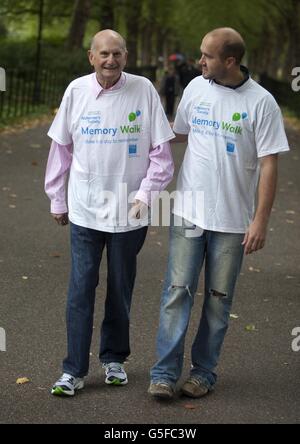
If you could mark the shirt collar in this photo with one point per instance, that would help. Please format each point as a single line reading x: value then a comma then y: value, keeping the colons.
x: 97, y: 88
x: 246, y: 74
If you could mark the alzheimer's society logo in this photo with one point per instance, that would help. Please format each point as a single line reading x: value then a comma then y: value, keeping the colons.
x: 296, y: 81
x: 2, y: 79
x: 2, y: 340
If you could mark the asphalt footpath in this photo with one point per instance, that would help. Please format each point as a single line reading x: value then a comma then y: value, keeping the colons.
x: 259, y: 371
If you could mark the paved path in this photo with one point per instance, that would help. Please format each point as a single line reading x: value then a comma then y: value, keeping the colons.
x: 259, y: 374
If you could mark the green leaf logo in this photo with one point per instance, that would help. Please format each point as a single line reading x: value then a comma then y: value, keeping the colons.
x: 132, y: 117
x: 236, y: 117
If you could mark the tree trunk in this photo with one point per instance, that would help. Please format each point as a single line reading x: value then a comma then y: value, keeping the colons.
x: 147, y: 44
x: 107, y: 19
x: 133, y: 13
x: 80, y: 17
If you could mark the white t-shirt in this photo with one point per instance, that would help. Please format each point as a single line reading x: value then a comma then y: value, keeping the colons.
x: 229, y: 130
x: 112, y: 135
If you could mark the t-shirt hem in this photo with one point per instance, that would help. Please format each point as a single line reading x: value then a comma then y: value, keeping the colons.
x: 163, y: 140
x: 274, y: 151
x: 106, y: 229
x: 57, y: 140
x: 212, y: 228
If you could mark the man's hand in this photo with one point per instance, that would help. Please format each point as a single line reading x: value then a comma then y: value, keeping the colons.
x: 255, y: 237
x: 139, y: 210
x: 61, y: 219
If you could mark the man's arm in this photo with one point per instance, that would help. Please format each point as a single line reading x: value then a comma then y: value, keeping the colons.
x: 159, y: 175
x: 58, y: 166
x: 256, y: 235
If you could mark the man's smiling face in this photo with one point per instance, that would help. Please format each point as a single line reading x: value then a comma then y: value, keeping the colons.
x: 108, y: 56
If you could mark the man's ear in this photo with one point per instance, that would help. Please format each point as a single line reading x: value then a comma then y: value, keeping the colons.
x: 230, y: 62
x: 91, y: 57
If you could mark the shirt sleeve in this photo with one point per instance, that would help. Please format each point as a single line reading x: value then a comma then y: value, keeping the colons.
x: 59, y: 130
x: 181, y: 123
x: 270, y: 136
x: 159, y: 173
x: 58, y: 166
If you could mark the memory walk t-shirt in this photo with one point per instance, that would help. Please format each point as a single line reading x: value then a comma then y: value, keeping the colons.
x: 111, y: 135
x: 229, y: 130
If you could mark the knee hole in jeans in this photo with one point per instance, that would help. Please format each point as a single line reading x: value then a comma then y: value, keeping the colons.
x: 218, y: 294
x: 180, y: 287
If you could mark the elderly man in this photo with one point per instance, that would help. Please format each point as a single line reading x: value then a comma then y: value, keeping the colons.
x: 111, y: 135
x: 235, y: 131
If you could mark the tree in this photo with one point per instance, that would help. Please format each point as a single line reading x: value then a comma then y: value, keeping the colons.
x: 79, y: 20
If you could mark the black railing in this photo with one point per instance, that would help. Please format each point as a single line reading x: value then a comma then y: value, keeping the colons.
x: 26, y: 93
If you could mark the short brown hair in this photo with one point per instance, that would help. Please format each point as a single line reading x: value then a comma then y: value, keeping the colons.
x: 233, y: 49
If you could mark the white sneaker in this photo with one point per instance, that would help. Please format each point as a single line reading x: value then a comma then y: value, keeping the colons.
x: 67, y: 385
x: 115, y: 373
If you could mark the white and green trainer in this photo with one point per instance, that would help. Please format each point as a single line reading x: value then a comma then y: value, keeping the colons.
x: 115, y: 373
x: 67, y: 385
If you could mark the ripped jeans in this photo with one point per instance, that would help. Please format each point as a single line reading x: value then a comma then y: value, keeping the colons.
x: 223, y: 255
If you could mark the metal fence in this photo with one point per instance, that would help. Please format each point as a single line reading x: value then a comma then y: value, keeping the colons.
x: 26, y: 93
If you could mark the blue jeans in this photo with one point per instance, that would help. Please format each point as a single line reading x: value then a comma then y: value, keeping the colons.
x: 86, y: 248
x: 223, y: 255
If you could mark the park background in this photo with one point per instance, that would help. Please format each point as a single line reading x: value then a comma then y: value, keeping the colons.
x: 43, y: 43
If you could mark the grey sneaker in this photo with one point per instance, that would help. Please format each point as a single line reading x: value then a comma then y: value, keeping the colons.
x: 161, y: 390
x: 115, y: 374
x: 194, y: 388
x: 67, y: 385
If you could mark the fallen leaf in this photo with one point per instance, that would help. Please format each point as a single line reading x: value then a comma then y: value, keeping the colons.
x: 22, y: 381
x: 35, y: 145
x: 25, y: 278
x: 55, y: 255
x: 34, y: 163
x: 191, y: 406
x: 5, y: 189
x: 13, y: 196
x: 12, y: 206
x: 289, y: 221
x: 250, y: 327
x: 256, y: 270
x: 234, y: 316
x: 159, y: 244
x: 290, y: 277
x: 290, y: 212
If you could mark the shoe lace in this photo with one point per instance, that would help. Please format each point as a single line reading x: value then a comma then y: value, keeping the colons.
x: 114, y: 366
x: 67, y: 378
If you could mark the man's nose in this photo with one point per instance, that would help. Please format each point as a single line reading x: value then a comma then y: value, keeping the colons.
x: 111, y: 59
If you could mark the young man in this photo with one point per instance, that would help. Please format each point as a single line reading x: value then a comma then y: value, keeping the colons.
x: 235, y: 131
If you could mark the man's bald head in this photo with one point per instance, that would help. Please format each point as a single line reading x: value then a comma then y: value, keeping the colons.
x: 230, y: 42
x: 106, y: 35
